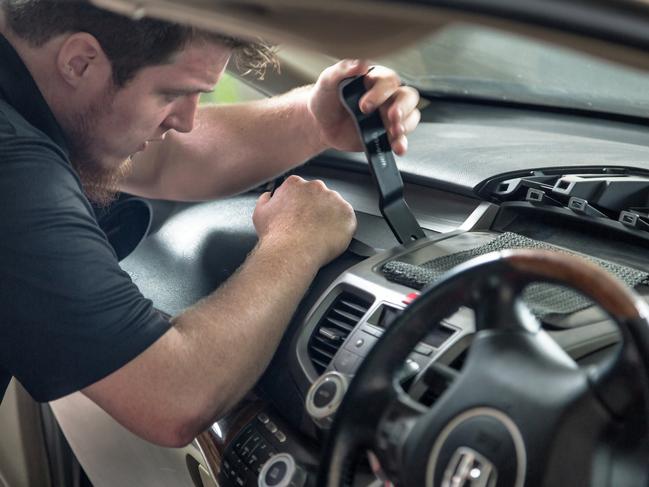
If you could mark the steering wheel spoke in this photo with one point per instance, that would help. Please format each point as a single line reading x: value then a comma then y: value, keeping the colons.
x: 618, y: 385
x: 498, y: 305
x: 401, y: 415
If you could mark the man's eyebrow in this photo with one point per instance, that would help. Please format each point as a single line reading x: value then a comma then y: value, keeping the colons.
x: 189, y: 91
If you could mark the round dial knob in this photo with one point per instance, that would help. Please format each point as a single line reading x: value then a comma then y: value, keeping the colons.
x: 281, y: 471
x: 324, y: 397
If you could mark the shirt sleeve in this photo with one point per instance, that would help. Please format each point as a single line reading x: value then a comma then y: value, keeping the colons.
x: 70, y: 314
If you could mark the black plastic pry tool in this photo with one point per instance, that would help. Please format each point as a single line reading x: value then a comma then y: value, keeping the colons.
x: 383, y: 167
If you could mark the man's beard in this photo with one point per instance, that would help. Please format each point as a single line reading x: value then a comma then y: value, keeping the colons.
x: 100, y: 184
x: 100, y: 181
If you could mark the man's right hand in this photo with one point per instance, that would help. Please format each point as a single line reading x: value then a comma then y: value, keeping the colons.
x: 305, y: 217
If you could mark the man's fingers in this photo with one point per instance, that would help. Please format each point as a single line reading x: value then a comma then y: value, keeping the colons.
x: 398, y: 139
x: 397, y: 113
x: 348, y: 68
x: 381, y: 83
x: 411, y: 122
x: 403, y: 125
x: 403, y: 103
x: 264, y: 198
x: 399, y: 145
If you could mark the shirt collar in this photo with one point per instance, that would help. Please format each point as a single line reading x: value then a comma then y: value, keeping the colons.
x: 18, y: 89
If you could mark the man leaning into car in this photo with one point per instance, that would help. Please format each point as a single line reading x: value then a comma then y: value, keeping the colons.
x: 92, y: 103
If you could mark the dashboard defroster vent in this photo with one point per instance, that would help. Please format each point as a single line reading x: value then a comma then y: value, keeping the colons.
x: 333, y: 328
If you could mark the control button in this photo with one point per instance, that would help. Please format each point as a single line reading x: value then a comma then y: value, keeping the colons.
x: 242, y: 438
x: 229, y: 467
x: 226, y: 468
x: 263, y: 418
x: 346, y: 362
x: 272, y: 427
x: 238, y: 446
x: 240, y: 480
x: 262, y: 449
x: 276, y: 473
x: 281, y: 471
x: 410, y: 298
x: 238, y: 468
x: 360, y: 342
x: 263, y: 452
x: 325, y: 396
x: 250, y: 446
x: 252, y: 460
x: 424, y: 349
x: 325, y: 393
x: 281, y: 437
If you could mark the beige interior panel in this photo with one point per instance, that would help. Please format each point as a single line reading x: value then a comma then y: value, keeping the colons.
x: 23, y: 460
x: 336, y: 27
x: 113, y: 456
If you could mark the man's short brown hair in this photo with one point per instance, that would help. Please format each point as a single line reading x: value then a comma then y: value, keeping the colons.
x: 129, y: 44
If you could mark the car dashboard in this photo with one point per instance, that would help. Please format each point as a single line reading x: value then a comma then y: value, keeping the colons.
x: 461, y: 157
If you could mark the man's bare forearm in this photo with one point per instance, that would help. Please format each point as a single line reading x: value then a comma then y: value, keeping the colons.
x: 232, y: 148
x: 237, y: 329
x: 213, y: 354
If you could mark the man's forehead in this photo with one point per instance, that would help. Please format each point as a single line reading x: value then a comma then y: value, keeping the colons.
x: 199, y: 66
x: 203, y: 52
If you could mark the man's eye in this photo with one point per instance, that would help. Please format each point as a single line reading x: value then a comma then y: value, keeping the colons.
x: 170, y: 97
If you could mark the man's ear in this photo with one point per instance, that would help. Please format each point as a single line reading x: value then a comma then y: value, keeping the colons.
x: 81, y: 59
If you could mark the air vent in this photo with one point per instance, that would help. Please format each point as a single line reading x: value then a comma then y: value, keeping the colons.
x: 336, y: 324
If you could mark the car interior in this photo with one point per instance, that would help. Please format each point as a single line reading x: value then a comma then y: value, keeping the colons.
x: 487, y: 325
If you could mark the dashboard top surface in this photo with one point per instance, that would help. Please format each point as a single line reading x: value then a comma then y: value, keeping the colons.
x: 457, y: 150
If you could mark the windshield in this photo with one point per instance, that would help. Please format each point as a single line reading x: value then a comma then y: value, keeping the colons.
x: 469, y: 60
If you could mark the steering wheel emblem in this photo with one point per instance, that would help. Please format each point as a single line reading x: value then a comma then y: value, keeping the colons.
x: 468, y: 468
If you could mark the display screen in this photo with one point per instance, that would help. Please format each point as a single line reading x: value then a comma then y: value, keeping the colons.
x: 385, y: 316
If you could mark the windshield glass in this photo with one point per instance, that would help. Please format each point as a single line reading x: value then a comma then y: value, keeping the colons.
x: 475, y: 61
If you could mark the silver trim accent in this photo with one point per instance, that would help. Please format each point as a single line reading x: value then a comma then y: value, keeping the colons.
x: 481, y: 218
x: 291, y: 470
x: 517, y: 438
x: 322, y: 415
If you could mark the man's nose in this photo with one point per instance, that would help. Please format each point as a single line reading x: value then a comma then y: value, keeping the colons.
x: 183, y: 115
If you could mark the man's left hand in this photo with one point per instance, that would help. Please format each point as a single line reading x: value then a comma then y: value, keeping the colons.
x: 397, y: 105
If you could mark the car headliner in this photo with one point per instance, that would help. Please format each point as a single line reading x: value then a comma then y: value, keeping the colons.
x: 616, y: 30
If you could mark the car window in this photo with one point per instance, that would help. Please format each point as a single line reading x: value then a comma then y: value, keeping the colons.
x: 231, y: 90
x: 470, y: 60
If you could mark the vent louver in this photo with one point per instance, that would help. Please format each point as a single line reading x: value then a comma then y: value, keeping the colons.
x: 335, y: 325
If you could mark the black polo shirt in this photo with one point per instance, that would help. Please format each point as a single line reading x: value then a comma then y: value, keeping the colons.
x: 69, y: 315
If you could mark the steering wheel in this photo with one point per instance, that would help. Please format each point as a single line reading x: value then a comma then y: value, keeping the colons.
x: 521, y: 412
